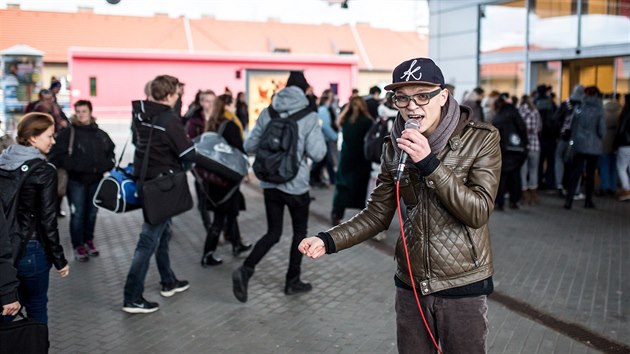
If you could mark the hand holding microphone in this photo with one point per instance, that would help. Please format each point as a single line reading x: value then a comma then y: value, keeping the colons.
x: 413, y: 144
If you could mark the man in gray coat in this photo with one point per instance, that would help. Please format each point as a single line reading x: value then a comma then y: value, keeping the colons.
x: 294, y: 194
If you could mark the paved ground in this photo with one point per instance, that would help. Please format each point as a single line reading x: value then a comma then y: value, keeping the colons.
x: 570, y: 265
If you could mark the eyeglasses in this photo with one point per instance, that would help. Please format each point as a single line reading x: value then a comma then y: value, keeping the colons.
x: 420, y: 99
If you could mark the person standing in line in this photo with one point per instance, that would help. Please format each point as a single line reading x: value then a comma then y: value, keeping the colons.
x: 293, y: 194
x: 587, y: 131
x: 513, y: 135
x: 607, y: 162
x: 353, y: 170
x: 92, y: 155
x: 449, y: 183
x: 529, y: 170
x: 36, y: 214
x: 622, y: 143
x: 169, y: 148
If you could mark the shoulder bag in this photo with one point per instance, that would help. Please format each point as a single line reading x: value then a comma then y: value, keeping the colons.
x: 164, y: 196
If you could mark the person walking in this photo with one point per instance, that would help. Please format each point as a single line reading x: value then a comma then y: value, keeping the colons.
x: 293, y: 194
x: 91, y: 155
x: 36, y: 214
x: 169, y: 148
x: 448, y: 183
x: 215, y: 189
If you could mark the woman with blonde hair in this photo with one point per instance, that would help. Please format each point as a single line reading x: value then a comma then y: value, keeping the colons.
x: 36, y: 213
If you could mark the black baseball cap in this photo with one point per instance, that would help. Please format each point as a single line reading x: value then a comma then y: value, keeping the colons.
x: 414, y: 72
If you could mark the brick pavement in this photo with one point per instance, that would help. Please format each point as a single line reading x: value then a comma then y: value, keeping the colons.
x: 540, y: 258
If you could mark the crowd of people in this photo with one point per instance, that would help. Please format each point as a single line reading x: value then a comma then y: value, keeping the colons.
x: 521, y: 145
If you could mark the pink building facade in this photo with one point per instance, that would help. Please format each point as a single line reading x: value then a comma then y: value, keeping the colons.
x: 112, y: 79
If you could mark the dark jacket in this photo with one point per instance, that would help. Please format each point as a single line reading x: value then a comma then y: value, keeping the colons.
x: 447, y: 211
x: 196, y: 123
x: 169, y: 143
x: 513, y: 133
x: 623, y: 131
x: 37, y: 212
x: 588, y: 127
x: 92, y: 153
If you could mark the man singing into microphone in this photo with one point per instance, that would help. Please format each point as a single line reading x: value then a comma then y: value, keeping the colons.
x: 448, y: 184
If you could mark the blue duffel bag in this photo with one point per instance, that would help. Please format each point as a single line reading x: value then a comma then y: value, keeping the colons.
x: 117, y: 191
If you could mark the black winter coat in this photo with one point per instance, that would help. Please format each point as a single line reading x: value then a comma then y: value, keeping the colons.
x: 92, y: 153
x: 513, y: 134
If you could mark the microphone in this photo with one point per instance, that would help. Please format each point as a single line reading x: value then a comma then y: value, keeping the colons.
x: 409, y: 124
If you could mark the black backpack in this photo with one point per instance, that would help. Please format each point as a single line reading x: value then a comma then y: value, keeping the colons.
x: 277, y: 158
x: 373, y: 140
x: 10, y: 184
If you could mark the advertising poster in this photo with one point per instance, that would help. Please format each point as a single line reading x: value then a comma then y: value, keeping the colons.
x: 261, y: 86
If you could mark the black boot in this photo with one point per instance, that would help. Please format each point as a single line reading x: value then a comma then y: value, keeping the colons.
x: 212, y: 238
x: 240, y: 248
x: 240, y: 278
x: 295, y: 286
x: 588, y: 204
x: 210, y: 260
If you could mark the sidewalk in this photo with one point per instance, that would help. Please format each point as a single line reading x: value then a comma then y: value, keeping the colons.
x: 572, y: 265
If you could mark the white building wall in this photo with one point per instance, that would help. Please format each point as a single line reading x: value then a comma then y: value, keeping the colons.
x: 453, y: 41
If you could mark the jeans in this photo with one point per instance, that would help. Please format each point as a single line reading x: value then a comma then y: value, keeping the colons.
x: 82, y: 211
x: 153, y: 238
x: 608, y: 172
x: 459, y: 325
x: 623, y: 167
x: 33, y: 268
x: 530, y: 168
x: 275, y: 201
x: 575, y: 172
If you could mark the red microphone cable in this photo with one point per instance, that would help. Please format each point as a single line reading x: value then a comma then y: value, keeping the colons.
x: 413, y: 283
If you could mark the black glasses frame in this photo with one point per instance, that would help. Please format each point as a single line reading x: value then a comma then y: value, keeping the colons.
x: 422, y: 96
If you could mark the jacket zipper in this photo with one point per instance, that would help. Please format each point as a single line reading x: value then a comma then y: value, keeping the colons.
x: 425, y: 217
x: 472, y: 248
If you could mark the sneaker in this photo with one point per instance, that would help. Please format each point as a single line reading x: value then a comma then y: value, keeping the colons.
x: 579, y: 196
x: 80, y: 254
x: 296, y: 286
x: 140, y: 306
x: 91, y: 249
x: 177, y: 287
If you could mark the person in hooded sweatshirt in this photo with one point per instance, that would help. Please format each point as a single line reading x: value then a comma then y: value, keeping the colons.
x: 563, y: 119
x: 170, y: 147
x: 588, y: 127
x: 36, y: 215
x: 91, y: 155
x: 293, y: 194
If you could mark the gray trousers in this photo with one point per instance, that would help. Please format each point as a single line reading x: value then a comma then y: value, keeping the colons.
x: 459, y: 325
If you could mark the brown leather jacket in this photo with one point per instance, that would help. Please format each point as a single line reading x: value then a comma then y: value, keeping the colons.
x: 447, y: 211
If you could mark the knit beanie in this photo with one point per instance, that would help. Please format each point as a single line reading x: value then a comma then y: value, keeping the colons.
x: 296, y: 78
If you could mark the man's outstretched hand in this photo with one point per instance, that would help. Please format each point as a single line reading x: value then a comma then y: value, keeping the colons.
x: 312, y: 247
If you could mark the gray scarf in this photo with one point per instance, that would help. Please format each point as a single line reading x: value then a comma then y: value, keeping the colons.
x: 15, y: 155
x: 441, y: 135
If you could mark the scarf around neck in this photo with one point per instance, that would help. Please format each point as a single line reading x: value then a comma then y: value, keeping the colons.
x: 438, y: 140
